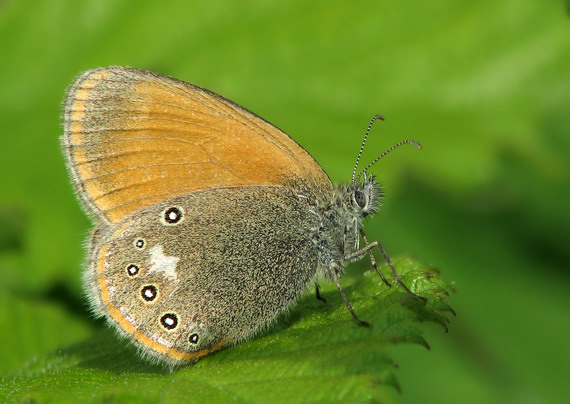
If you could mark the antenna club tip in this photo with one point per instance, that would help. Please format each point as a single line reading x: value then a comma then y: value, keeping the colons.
x: 415, y: 143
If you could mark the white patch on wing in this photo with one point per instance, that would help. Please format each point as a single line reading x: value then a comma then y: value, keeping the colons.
x: 163, y: 263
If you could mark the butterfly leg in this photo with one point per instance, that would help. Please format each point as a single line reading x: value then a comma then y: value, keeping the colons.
x: 394, y: 273
x: 373, y: 261
x: 349, y: 306
x: 318, y: 294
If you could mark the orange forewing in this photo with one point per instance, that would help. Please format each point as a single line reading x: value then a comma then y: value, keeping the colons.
x: 134, y: 138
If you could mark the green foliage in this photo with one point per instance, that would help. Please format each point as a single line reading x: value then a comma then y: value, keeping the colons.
x: 315, y: 353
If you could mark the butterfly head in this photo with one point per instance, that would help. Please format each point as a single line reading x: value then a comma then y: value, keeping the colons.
x: 364, y: 192
x: 365, y: 197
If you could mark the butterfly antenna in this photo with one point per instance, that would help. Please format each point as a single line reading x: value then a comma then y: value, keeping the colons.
x: 374, y: 118
x: 403, y: 142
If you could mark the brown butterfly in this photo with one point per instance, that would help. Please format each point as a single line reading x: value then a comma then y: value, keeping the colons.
x: 209, y: 221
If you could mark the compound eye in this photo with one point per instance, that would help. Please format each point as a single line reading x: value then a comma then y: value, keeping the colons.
x: 360, y: 198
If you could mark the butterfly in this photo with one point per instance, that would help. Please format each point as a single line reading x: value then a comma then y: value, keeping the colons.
x: 209, y: 221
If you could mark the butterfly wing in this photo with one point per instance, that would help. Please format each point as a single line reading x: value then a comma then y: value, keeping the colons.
x: 134, y: 138
x: 194, y: 273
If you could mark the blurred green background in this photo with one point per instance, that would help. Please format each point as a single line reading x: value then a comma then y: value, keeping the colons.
x: 483, y: 85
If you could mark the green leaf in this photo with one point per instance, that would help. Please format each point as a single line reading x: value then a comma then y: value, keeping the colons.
x: 315, y: 353
x: 32, y: 327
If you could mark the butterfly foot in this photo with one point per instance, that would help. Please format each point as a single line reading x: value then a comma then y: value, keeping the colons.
x: 318, y: 294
